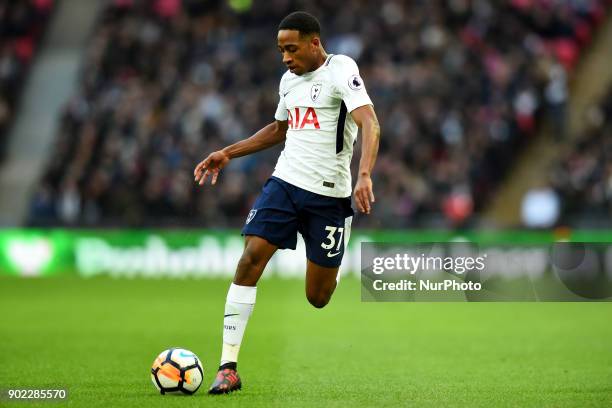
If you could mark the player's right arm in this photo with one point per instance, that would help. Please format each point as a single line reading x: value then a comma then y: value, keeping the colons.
x: 270, y: 135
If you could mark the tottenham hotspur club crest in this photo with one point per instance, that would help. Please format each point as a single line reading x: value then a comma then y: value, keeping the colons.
x: 315, y: 91
x: 251, y: 215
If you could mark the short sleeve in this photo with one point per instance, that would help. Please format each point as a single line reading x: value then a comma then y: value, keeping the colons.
x: 349, y: 83
x: 281, y: 109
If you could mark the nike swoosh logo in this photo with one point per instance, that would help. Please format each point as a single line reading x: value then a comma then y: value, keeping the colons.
x: 231, y: 314
x: 330, y: 255
x: 286, y: 93
x: 183, y: 354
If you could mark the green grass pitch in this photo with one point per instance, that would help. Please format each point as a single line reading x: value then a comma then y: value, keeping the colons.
x: 98, y: 338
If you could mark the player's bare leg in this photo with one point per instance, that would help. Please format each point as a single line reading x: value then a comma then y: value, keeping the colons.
x: 320, y: 284
x: 238, y: 309
x: 257, y: 253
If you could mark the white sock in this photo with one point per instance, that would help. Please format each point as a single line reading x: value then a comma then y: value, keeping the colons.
x: 238, y: 308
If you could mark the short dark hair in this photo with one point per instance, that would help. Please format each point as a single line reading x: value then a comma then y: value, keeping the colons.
x: 301, y: 21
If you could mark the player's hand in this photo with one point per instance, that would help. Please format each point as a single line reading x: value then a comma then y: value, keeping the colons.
x: 210, y: 165
x: 363, y: 194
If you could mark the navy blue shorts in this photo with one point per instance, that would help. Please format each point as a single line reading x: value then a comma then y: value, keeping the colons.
x: 282, y: 210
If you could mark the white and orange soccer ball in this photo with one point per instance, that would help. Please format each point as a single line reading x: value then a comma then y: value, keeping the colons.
x: 177, y: 370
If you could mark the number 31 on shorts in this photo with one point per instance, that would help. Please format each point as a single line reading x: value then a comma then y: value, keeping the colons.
x: 330, y: 240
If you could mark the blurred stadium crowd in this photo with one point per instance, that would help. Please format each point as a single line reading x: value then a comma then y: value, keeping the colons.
x: 459, y: 86
x: 21, y: 25
x: 583, y: 176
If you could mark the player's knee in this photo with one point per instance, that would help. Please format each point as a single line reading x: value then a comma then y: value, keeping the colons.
x: 249, y: 269
x: 318, y: 299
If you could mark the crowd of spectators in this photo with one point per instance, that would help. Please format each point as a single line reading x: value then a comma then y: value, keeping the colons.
x: 21, y: 26
x: 458, y: 87
x: 583, y: 176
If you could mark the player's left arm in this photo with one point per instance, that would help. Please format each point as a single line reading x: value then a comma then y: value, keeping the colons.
x: 366, y: 119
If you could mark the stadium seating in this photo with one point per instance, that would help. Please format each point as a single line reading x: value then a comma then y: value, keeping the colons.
x: 583, y: 175
x: 459, y: 88
x: 22, y: 23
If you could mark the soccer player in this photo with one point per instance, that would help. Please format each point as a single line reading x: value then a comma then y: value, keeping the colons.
x: 323, y: 101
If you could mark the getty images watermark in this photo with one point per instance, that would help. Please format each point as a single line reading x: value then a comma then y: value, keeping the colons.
x: 411, y: 264
x: 463, y: 271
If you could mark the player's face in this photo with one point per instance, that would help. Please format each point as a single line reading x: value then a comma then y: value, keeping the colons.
x: 299, y: 52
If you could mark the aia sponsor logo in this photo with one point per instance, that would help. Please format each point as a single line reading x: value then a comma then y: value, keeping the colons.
x: 302, y: 118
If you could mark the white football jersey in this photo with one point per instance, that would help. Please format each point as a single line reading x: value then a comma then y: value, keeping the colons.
x: 321, y: 133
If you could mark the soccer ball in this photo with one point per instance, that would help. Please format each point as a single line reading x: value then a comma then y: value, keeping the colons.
x: 177, y: 370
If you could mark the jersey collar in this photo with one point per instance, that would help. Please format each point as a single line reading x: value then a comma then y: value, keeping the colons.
x: 325, y: 64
